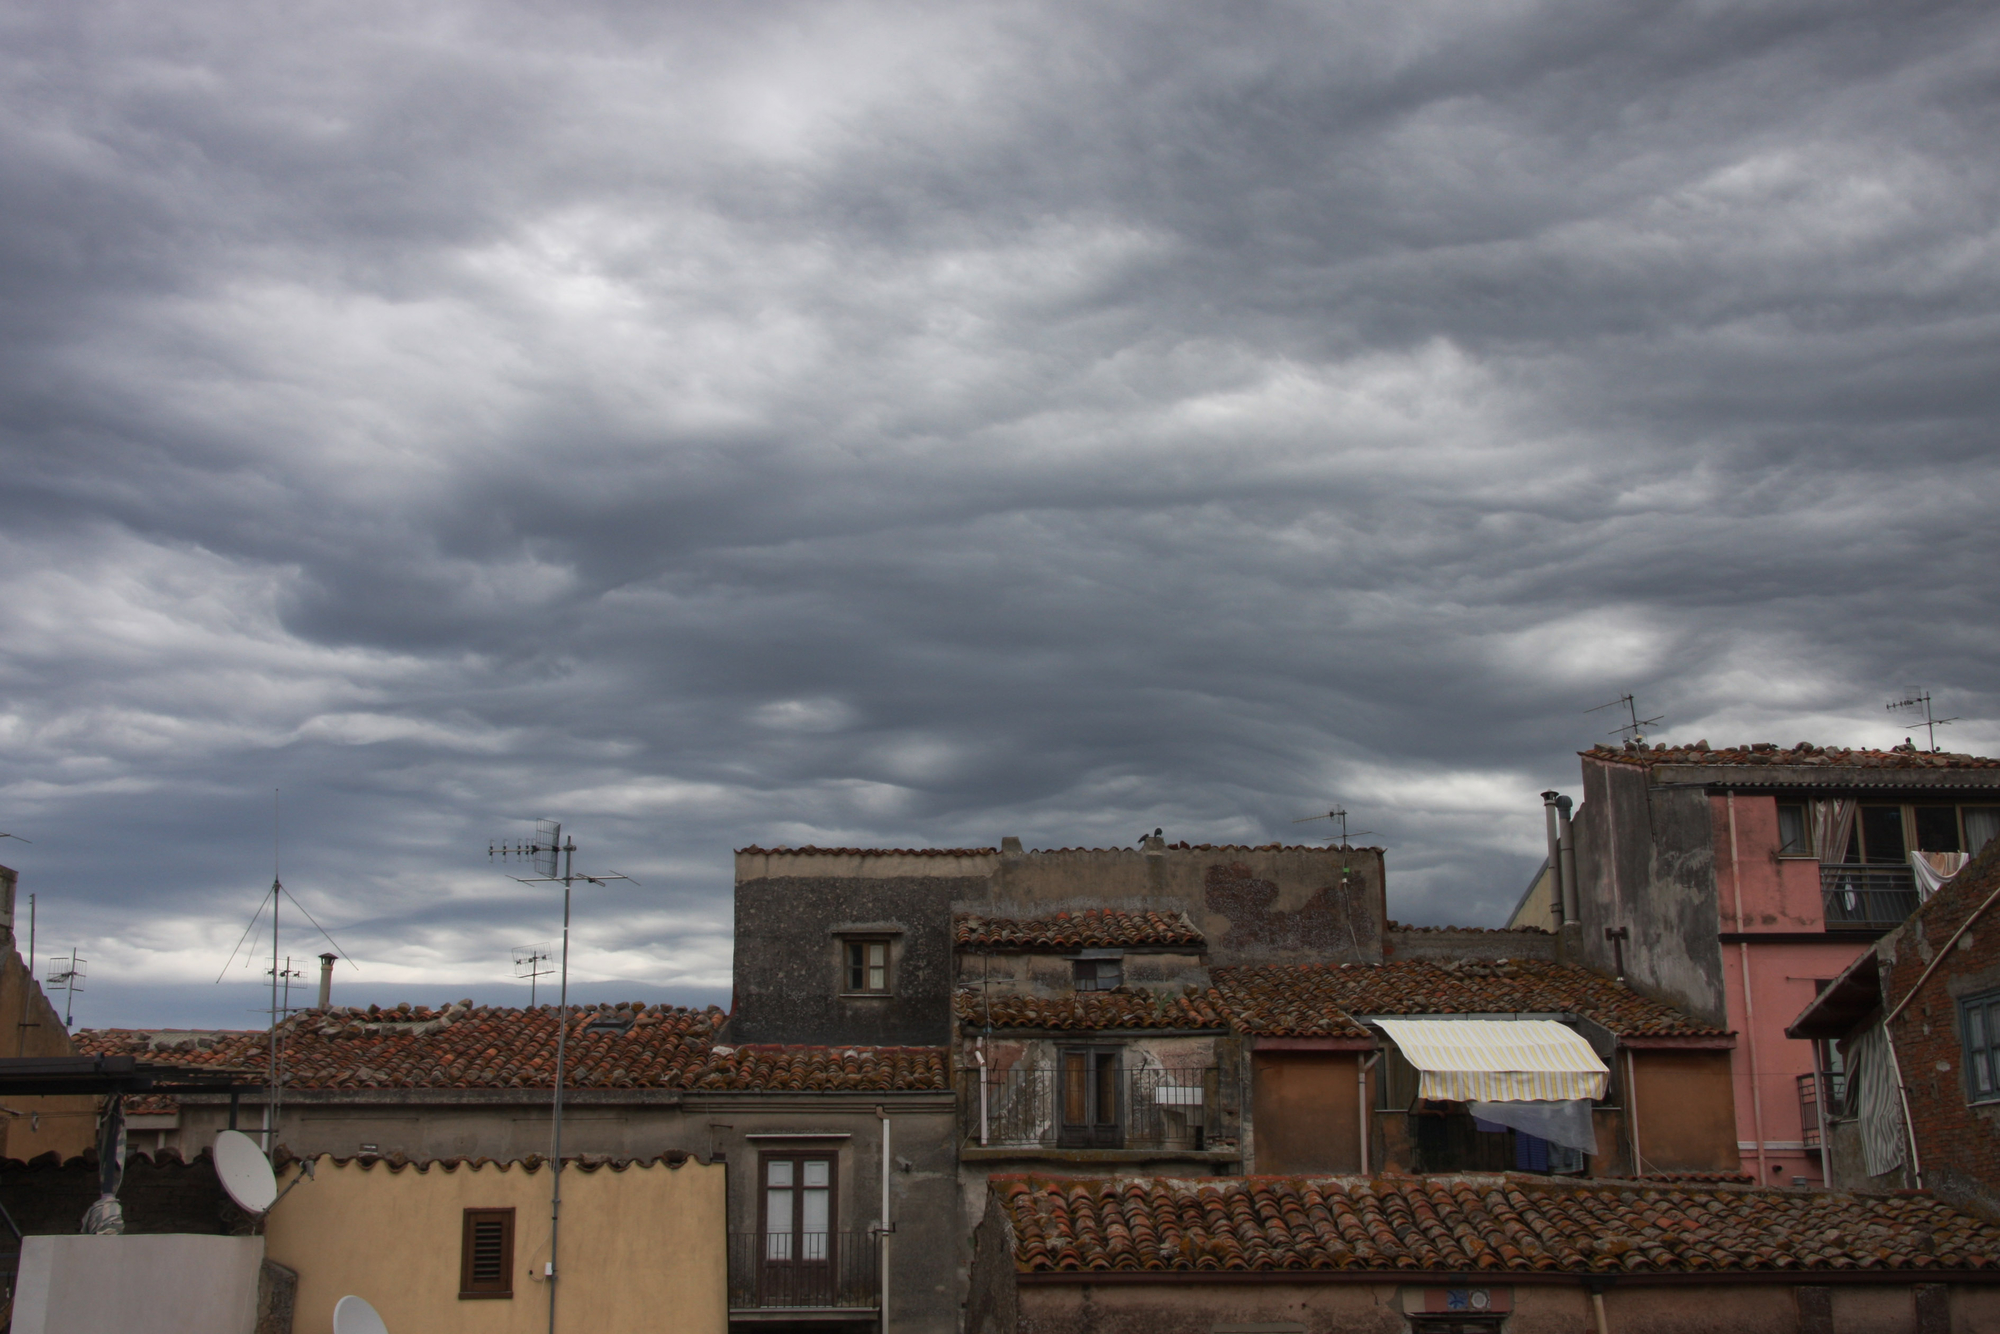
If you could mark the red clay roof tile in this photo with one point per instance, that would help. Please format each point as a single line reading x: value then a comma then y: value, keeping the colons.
x: 1804, y: 754
x: 492, y: 1047
x: 1086, y: 1010
x: 1092, y: 928
x: 1474, y: 1224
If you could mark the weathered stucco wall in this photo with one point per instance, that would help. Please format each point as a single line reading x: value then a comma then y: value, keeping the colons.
x: 642, y: 1248
x: 1445, y: 943
x: 788, y: 973
x: 1645, y: 861
x: 31, y: 1026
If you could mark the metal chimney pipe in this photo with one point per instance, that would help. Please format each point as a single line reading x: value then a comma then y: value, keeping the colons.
x: 326, y: 980
x: 1566, y: 846
x: 1555, y: 856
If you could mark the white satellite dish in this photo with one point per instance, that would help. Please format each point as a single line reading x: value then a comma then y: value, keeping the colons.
x: 352, y: 1315
x: 244, y: 1171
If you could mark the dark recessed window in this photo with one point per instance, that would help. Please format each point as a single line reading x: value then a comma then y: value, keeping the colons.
x: 1794, y: 838
x: 1098, y: 974
x: 1881, y: 831
x: 1979, y: 1034
x: 868, y: 967
x: 486, y: 1254
x: 1937, y: 828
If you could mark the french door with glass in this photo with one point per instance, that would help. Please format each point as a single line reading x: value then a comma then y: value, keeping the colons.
x: 797, y: 1225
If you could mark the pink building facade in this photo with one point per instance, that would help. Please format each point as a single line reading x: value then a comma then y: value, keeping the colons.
x: 1736, y: 883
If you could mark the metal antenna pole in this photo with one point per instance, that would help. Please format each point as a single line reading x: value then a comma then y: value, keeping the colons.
x: 277, y: 894
x: 562, y: 1036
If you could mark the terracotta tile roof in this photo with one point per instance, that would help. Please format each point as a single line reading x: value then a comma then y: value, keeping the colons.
x: 1806, y: 754
x: 463, y: 1046
x: 1284, y: 999
x: 1096, y: 927
x: 810, y: 851
x: 1475, y: 1224
x: 1083, y: 1010
x: 1395, y: 925
x: 151, y: 1104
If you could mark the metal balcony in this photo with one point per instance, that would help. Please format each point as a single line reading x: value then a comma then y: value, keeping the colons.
x: 832, y: 1272
x: 1819, y: 1098
x: 1109, y: 1109
x: 1858, y: 895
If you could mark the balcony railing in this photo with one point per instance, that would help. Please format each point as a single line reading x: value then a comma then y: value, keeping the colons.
x: 810, y: 1271
x: 1110, y: 1109
x: 1819, y: 1099
x: 1866, y: 896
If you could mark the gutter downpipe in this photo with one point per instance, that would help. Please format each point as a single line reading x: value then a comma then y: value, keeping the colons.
x: 1632, y: 1110
x: 1597, y: 1310
x: 1909, y: 1128
x: 1362, y: 1099
x: 1566, y: 847
x: 979, y: 1055
x: 1749, y: 1003
x: 882, y: 1244
x: 1555, y: 856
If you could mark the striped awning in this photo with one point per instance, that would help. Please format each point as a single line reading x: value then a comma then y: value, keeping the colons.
x: 1498, y: 1060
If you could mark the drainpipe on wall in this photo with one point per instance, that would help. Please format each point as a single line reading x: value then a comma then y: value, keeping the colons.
x: 1555, y: 856
x: 1749, y: 1002
x: 882, y: 1244
x: 1366, y: 1066
x: 326, y: 980
x: 1632, y: 1111
x: 979, y: 1055
x: 1566, y: 859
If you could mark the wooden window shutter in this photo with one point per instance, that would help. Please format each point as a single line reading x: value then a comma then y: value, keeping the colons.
x: 486, y: 1254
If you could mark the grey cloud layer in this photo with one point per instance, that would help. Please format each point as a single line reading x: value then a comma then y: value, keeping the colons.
x: 890, y: 424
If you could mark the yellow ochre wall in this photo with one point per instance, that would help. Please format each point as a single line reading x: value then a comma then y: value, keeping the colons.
x: 643, y: 1248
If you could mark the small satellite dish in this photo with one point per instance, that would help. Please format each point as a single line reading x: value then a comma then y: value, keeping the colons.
x: 352, y: 1315
x: 245, y: 1171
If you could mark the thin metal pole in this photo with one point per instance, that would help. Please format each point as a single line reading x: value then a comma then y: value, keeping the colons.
x: 271, y: 1123
x: 562, y: 1037
x: 31, y: 935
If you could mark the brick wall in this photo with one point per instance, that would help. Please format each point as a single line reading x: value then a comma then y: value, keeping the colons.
x: 1957, y: 1141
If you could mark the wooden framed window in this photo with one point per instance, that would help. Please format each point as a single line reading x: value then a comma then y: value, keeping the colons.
x: 1794, y: 831
x: 1091, y: 1099
x: 486, y: 1254
x: 1979, y: 1035
x: 867, y: 970
x: 1097, y: 974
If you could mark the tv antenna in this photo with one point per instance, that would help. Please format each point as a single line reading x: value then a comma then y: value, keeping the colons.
x: 1634, y: 730
x: 67, y: 974
x: 287, y: 973
x: 276, y: 896
x: 553, y: 857
x: 528, y: 961
x: 1339, y: 816
x: 1921, y: 699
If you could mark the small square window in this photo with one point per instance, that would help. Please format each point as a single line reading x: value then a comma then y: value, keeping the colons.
x: 486, y: 1254
x: 1979, y: 1035
x: 1794, y: 840
x: 1098, y: 974
x: 868, y: 967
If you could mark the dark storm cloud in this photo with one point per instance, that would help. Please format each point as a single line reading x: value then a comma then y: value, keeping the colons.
x: 878, y: 424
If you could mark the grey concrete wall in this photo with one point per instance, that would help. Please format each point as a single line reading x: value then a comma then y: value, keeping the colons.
x: 1645, y: 860
x: 164, y: 1283
x: 788, y: 966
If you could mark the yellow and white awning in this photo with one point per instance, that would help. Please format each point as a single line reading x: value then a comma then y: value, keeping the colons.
x: 1498, y: 1060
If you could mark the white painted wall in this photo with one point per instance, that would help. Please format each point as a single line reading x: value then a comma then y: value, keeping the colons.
x: 159, y: 1283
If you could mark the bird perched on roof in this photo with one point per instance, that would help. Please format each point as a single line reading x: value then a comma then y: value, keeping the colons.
x: 1157, y: 833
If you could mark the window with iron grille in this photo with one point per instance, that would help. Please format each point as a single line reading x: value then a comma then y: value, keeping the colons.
x: 486, y: 1254
x: 1979, y: 1035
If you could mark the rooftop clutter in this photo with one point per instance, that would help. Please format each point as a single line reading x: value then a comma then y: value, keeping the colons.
x: 1803, y: 754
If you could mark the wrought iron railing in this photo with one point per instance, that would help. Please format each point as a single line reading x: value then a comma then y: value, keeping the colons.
x: 1174, y: 1108
x: 1819, y: 1098
x: 1856, y: 894
x: 804, y: 1271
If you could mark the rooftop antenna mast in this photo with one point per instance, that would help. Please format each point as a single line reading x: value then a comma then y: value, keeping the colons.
x: 67, y: 974
x: 1633, y: 731
x: 553, y: 858
x: 1921, y: 699
x: 528, y: 961
x: 1341, y: 817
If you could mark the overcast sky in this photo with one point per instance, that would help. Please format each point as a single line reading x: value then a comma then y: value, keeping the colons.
x: 873, y: 424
